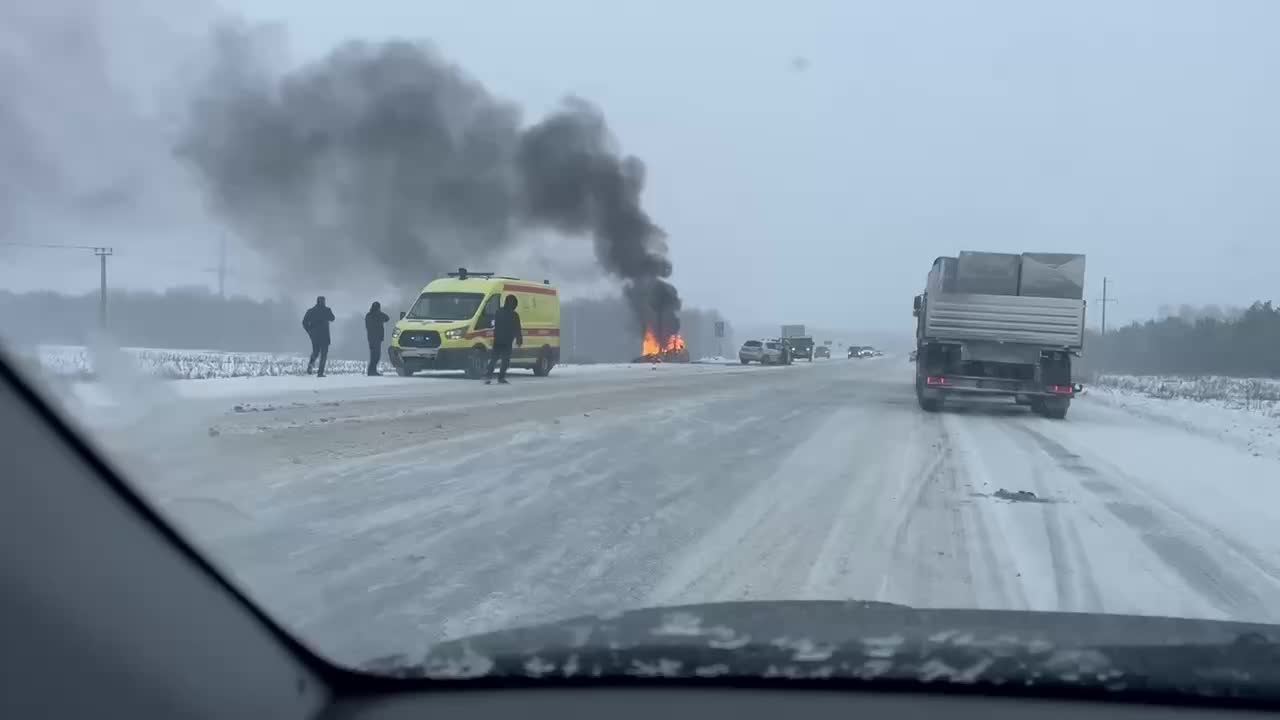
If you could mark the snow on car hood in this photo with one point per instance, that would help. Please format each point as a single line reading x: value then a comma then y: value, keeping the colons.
x: 876, y: 642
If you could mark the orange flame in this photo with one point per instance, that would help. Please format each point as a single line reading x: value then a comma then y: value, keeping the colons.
x: 652, y: 348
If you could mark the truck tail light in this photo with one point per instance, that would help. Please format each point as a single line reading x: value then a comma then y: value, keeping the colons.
x: 1061, y: 389
x: 939, y: 380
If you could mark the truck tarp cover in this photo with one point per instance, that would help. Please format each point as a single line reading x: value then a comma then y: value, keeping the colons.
x: 1054, y: 275
x: 986, y: 273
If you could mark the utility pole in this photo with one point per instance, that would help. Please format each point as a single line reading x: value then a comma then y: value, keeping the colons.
x: 102, y: 253
x: 1105, y: 300
x: 222, y: 268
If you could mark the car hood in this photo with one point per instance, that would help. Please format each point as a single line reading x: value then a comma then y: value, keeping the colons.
x: 871, y: 641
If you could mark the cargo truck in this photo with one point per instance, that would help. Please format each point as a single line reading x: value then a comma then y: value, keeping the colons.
x: 1001, y: 324
x: 800, y: 344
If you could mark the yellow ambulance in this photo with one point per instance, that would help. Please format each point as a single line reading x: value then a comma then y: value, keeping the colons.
x: 450, y: 326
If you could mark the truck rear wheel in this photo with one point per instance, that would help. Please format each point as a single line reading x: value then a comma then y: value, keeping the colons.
x: 927, y: 404
x: 1054, y: 409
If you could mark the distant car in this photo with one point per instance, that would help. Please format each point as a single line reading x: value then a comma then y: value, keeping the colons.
x: 751, y: 351
x: 822, y: 351
x: 853, y: 351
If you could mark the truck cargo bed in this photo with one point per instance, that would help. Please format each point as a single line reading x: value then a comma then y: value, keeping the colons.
x: 1048, y: 322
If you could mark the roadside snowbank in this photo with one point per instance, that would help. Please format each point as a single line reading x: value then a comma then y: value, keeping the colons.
x: 1256, y: 394
x: 1244, y: 412
x: 97, y: 394
x: 74, y: 362
x: 78, y: 362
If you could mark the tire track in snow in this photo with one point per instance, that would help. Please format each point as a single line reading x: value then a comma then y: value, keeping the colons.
x: 1183, y: 544
x: 862, y: 555
x: 588, y: 522
x: 999, y: 538
x: 763, y: 547
x: 1076, y: 587
x: 640, y: 508
x: 932, y: 532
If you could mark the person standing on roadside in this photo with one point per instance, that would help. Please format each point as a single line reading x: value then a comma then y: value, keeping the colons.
x: 506, y: 330
x: 373, y: 322
x: 316, y: 322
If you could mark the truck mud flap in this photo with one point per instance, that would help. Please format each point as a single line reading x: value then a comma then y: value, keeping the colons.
x: 930, y: 400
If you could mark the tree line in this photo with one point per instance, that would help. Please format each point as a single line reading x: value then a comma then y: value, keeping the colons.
x: 592, y: 330
x: 1206, y: 341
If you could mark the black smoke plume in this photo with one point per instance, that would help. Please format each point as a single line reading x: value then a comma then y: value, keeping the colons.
x: 386, y: 157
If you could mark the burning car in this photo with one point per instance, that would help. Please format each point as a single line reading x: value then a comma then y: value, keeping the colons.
x: 672, y: 350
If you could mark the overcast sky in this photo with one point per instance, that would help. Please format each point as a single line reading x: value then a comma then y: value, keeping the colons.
x: 810, y: 159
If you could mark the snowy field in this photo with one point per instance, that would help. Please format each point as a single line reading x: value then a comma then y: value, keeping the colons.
x: 379, y: 515
x: 1253, y: 394
x: 1241, y: 411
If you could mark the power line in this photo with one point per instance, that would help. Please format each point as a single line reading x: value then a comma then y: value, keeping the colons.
x: 99, y: 250
x: 54, y: 246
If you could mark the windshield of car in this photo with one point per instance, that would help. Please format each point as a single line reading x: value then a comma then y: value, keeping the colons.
x: 445, y: 306
x: 1054, y: 225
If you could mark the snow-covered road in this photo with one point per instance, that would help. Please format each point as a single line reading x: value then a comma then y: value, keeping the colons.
x: 387, y: 513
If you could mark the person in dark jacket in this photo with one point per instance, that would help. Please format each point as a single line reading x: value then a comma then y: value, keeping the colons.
x: 373, y: 322
x: 506, y: 330
x: 316, y: 323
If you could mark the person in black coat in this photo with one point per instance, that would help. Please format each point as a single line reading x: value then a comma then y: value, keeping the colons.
x: 506, y: 330
x: 373, y: 322
x: 316, y: 322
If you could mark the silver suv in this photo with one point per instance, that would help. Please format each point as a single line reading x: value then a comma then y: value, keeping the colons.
x: 751, y: 351
x: 776, y: 352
